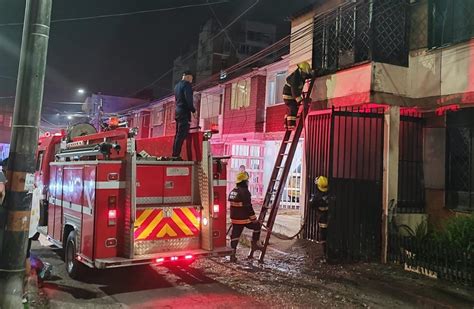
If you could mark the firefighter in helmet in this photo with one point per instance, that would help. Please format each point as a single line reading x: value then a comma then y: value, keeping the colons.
x: 292, y: 92
x: 320, y: 202
x: 242, y: 214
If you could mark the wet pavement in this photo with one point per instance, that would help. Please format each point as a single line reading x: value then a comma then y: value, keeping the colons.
x: 293, y: 275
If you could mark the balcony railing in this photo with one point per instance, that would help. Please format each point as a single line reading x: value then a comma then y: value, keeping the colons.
x: 363, y: 30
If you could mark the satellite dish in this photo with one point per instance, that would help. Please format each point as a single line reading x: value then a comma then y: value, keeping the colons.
x: 80, y: 129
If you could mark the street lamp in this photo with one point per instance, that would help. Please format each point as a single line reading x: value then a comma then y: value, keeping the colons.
x: 81, y: 91
x: 69, y: 117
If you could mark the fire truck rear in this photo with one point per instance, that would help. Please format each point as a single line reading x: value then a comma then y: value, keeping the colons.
x: 111, y: 200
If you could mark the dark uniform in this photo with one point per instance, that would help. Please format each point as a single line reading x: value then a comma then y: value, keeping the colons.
x: 184, y: 107
x: 292, y: 95
x: 320, y: 202
x: 242, y: 215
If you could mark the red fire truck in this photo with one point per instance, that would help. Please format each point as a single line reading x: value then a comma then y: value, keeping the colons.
x: 111, y: 200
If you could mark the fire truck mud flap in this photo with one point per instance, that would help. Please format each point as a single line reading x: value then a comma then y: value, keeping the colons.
x: 162, y: 257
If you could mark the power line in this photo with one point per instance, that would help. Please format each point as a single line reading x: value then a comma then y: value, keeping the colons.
x: 279, y: 45
x: 125, y: 14
x: 222, y: 27
x: 195, y: 52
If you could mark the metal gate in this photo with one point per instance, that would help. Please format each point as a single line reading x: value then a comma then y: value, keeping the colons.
x: 317, y: 142
x: 347, y: 145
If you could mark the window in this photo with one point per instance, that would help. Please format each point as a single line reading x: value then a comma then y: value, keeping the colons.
x: 450, y: 21
x: 170, y: 113
x: 275, y: 88
x: 210, y: 105
x: 359, y: 31
x: 255, y: 151
x: 251, y: 156
x: 240, y: 94
x: 158, y: 116
x: 460, y: 160
x: 240, y: 150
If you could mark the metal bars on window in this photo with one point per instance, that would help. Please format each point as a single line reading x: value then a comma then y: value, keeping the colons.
x: 459, y: 177
x: 363, y: 30
x: 411, y: 197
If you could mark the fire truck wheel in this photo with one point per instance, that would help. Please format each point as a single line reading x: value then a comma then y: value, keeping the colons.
x: 73, y: 267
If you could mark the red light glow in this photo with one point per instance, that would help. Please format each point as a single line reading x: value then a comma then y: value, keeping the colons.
x: 160, y: 260
x: 79, y: 258
x: 188, y: 257
x: 174, y: 258
x: 112, y: 214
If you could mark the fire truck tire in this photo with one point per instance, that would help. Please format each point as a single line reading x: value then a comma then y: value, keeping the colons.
x: 73, y: 267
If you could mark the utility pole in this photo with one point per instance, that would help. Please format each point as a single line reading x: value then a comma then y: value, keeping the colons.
x: 21, y: 163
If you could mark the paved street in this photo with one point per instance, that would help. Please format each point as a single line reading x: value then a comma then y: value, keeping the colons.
x: 291, y: 277
x: 142, y: 286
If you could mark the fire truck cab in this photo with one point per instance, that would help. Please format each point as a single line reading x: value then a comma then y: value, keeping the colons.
x: 110, y: 200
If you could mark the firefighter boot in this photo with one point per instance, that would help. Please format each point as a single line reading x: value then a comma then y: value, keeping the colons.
x: 233, y: 258
x: 256, y: 245
x: 285, y: 123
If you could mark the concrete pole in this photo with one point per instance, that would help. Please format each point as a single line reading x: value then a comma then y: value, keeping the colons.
x: 390, y: 171
x: 21, y: 163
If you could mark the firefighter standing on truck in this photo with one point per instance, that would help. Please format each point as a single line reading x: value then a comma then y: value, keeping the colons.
x: 184, y: 107
x: 242, y: 215
x: 293, y: 92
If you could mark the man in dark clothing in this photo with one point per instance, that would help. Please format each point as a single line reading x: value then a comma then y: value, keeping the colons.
x: 242, y: 215
x: 292, y: 92
x: 184, y: 107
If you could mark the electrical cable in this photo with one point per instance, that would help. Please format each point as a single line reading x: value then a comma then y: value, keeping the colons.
x: 296, y: 36
x: 209, y: 40
x: 222, y: 26
x: 124, y: 14
x: 282, y: 43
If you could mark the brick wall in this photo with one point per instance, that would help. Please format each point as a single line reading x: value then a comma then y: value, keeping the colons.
x: 249, y: 119
x: 275, y: 118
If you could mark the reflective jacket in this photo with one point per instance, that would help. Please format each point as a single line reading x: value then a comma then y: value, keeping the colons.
x: 241, y: 211
x: 183, y: 93
x: 294, y: 85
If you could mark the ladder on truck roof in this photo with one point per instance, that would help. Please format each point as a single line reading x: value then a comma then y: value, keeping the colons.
x: 280, y: 172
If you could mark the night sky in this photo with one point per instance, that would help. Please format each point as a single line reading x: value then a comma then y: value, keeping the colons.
x: 119, y: 55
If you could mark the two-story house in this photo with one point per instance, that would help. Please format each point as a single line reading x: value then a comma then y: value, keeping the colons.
x: 392, y: 107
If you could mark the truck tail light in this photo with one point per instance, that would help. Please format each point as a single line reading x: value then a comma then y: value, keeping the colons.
x: 112, y: 213
x: 215, y: 208
x: 159, y: 260
x: 188, y: 257
x: 174, y: 258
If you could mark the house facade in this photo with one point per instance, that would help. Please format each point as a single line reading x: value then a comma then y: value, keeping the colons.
x: 391, y: 104
x: 391, y: 111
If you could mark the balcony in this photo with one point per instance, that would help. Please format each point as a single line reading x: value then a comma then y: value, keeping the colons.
x: 361, y: 31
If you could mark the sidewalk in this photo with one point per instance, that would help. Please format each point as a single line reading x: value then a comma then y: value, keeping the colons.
x: 363, y: 284
x: 287, y: 223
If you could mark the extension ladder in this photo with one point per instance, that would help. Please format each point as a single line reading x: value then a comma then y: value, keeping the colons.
x: 275, y: 188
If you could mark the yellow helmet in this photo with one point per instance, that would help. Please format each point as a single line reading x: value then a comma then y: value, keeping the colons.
x: 322, y: 183
x: 305, y: 67
x: 242, y: 176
